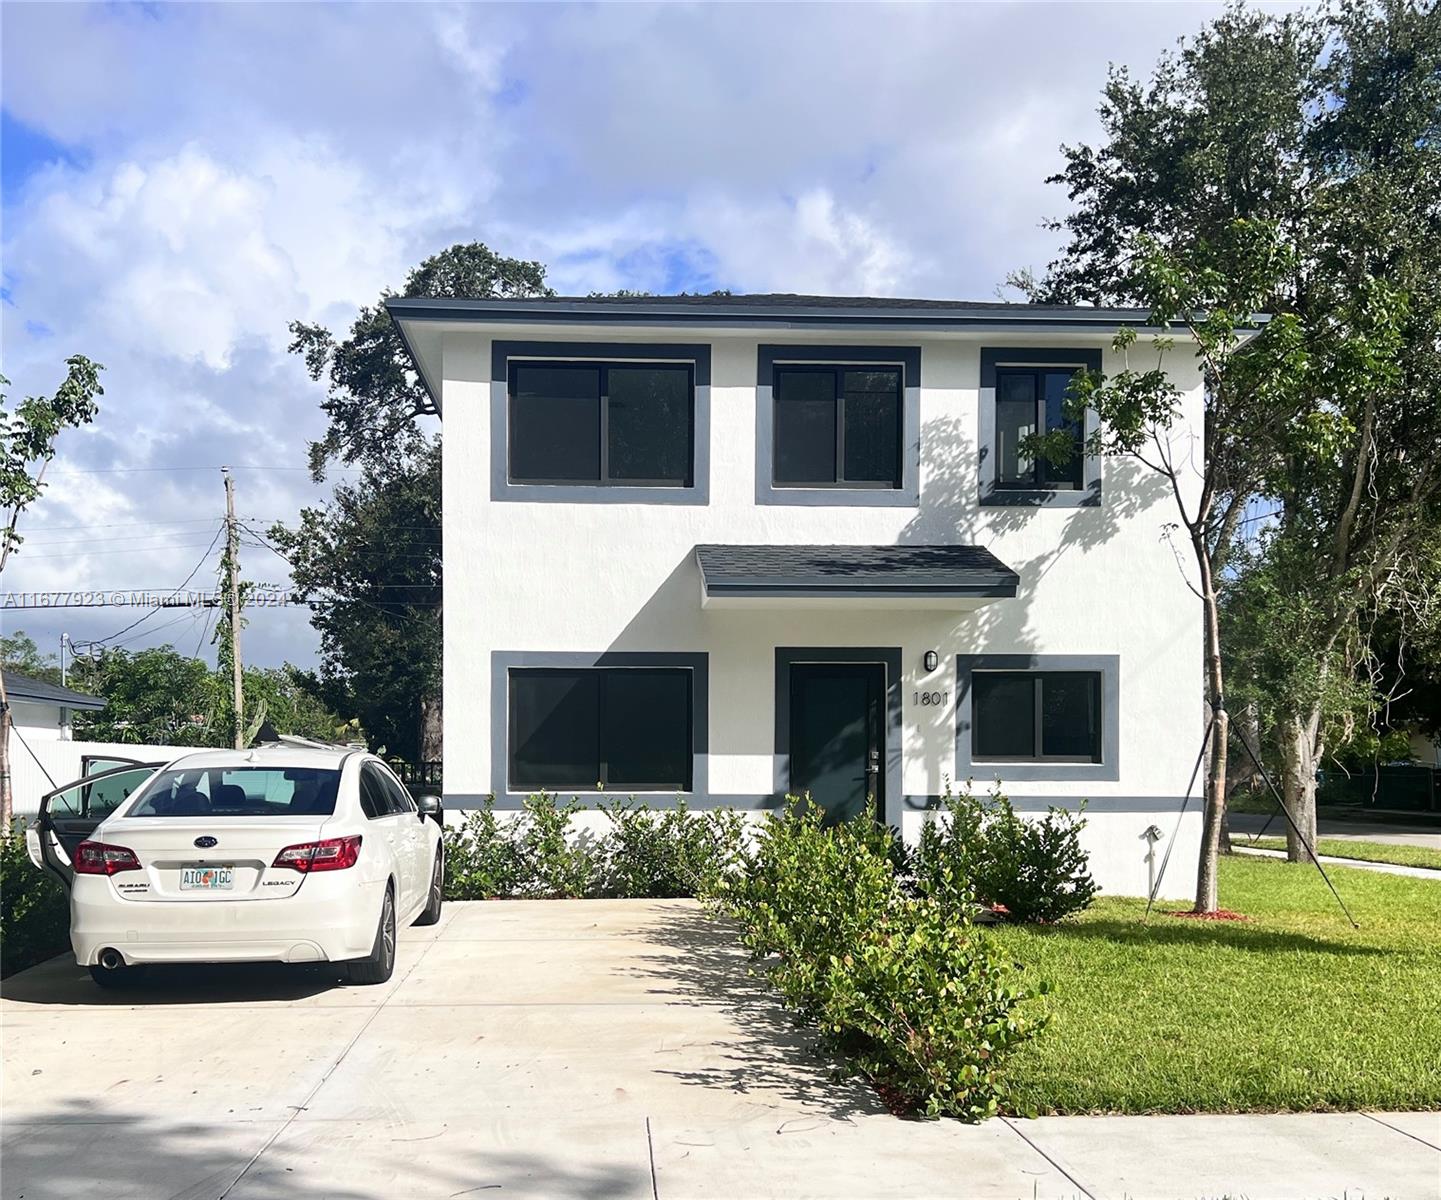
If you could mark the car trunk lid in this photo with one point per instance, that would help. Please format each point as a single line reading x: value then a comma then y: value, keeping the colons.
x: 203, y: 860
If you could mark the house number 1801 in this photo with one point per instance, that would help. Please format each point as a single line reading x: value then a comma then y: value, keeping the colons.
x: 929, y: 698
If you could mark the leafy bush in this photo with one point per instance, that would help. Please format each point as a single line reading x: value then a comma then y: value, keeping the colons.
x: 671, y: 852
x: 1034, y: 869
x: 34, y: 909
x: 481, y: 857
x: 644, y: 854
x: 904, y: 986
x: 553, y: 865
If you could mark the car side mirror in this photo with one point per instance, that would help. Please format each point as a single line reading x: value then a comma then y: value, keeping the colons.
x: 430, y: 806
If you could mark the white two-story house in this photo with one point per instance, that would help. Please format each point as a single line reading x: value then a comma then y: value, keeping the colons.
x: 733, y: 547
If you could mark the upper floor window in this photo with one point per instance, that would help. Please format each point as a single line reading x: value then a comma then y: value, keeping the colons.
x: 1027, y: 391
x: 838, y: 426
x: 1032, y: 400
x: 628, y: 424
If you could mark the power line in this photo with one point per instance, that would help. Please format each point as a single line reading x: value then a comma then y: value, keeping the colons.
x: 193, y: 570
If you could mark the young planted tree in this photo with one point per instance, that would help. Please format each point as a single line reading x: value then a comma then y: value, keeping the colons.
x: 371, y: 559
x: 27, y: 444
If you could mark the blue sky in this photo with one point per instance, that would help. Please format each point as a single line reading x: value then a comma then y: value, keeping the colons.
x: 179, y: 182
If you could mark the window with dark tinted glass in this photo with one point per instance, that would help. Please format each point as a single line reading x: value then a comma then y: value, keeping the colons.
x: 628, y: 424
x: 1033, y: 400
x: 1036, y: 716
x: 838, y: 426
x: 624, y: 728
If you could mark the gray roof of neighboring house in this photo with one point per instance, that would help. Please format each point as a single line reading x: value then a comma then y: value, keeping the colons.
x: 854, y: 571
x: 37, y: 691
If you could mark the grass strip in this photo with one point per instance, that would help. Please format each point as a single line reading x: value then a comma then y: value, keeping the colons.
x: 1291, y: 1010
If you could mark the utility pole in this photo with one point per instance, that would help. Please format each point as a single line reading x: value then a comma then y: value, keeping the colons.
x: 232, y: 558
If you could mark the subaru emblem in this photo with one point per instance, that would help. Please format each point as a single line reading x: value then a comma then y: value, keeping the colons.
x: 205, y: 842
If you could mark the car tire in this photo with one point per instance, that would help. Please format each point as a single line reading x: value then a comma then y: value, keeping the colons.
x: 379, y: 965
x: 116, y: 977
x: 430, y: 914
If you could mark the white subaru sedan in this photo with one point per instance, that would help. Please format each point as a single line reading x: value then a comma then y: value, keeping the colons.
x: 288, y: 853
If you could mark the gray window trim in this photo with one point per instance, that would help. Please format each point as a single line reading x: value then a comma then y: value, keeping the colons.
x: 1089, y: 494
x: 501, y: 662
x: 908, y: 358
x: 501, y: 355
x: 1107, y: 770
x: 890, y: 658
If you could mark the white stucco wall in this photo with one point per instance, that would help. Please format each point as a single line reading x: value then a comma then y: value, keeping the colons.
x: 40, y: 722
x: 597, y: 577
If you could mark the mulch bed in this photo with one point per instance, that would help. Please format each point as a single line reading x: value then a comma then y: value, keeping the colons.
x: 1220, y: 914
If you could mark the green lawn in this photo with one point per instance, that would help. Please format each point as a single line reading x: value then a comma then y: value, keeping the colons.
x: 1381, y: 852
x: 1293, y: 1010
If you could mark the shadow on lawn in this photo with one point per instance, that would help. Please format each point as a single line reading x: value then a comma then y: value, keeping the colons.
x: 1172, y: 931
x: 771, y: 1059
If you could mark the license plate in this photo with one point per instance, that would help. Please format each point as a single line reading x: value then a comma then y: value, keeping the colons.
x: 207, y: 879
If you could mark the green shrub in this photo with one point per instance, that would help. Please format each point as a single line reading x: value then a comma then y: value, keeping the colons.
x: 34, y: 908
x: 905, y: 987
x: 1033, y: 869
x: 554, y: 865
x: 482, y: 861
x: 670, y: 852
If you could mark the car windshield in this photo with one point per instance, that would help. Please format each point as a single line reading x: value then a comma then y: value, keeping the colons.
x: 240, y: 792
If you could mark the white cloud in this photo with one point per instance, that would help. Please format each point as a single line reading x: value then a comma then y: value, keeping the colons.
x: 233, y: 167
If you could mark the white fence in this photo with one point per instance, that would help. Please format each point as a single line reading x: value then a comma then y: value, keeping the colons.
x: 35, y: 764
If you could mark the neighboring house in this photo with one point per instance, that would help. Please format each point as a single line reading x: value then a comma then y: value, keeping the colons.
x: 41, y: 711
x: 1426, y: 749
x: 732, y: 547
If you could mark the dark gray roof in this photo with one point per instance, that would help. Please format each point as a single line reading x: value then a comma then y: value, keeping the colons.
x: 37, y: 691
x: 770, y: 308
x: 854, y: 571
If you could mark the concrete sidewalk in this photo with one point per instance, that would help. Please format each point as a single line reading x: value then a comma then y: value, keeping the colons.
x: 559, y: 1049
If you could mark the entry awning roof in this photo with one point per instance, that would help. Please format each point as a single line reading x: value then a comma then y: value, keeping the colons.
x: 856, y: 576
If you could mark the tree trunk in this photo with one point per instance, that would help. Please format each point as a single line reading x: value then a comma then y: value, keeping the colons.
x: 431, y: 727
x: 1296, y: 736
x: 7, y: 800
x: 1207, y: 897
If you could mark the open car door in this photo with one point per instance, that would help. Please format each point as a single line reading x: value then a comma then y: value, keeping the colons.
x: 69, y: 815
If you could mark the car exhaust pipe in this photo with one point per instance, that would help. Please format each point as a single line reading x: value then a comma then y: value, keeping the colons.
x: 111, y: 959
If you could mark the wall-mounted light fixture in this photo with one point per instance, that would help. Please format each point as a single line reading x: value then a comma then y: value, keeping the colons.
x: 932, y: 660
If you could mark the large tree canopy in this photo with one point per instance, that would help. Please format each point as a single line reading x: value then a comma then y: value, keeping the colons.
x: 1292, y: 164
x: 373, y: 395
x: 370, y: 559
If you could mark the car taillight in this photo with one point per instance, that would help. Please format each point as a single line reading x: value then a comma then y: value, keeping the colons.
x: 96, y: 858
x: 333, y: 854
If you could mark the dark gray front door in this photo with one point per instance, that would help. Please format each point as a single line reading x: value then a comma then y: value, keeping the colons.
x: 837, y: 743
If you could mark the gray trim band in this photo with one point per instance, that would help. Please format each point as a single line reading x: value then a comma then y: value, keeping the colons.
x: 908, y: 358
x: 1107, y: 770
x: 1089, y: 495
x: 501, y: 488
x: 501, y: 661
x: 890, y: 657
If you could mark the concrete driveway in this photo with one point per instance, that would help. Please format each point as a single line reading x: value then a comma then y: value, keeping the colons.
x: 559, y: 1049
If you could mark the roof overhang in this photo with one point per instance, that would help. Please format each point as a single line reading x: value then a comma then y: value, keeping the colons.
x: 851, y: 577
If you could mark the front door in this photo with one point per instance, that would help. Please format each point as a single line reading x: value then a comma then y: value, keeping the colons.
x: 837, y: 747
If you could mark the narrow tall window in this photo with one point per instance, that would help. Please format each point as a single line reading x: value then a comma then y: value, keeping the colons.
x: 616, y: 424
x: 625, y: 728
x: 1036, y: 716
x: 1033, y: 400
x: 837, y: 426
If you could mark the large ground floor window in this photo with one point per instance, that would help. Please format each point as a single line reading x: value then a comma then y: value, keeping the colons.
x: 589, y: 728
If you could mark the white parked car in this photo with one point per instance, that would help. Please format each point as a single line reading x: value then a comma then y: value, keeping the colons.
x: 286, y: 853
